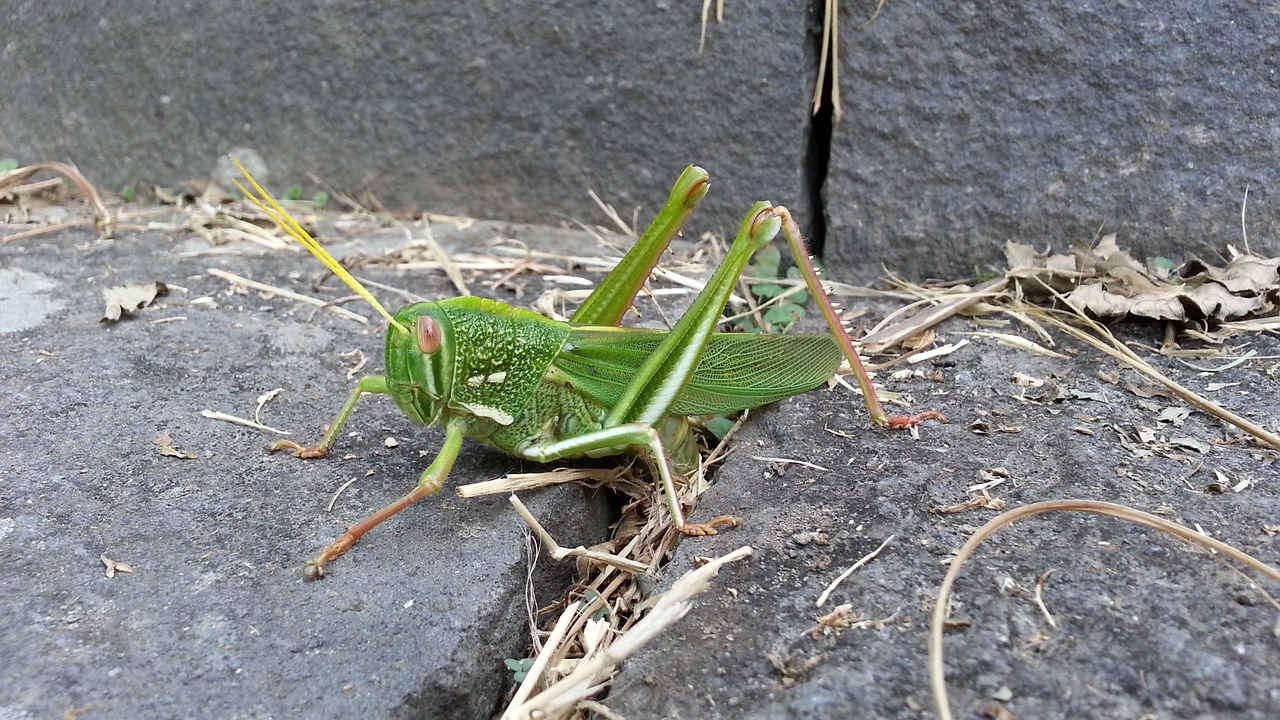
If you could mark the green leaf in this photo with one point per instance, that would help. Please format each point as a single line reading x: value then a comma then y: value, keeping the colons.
x: 718, y: 426
x: 127, y: 193
x: 767, y: 291
x: 793, y: 273
x: 519, y: 668
x: 8, y: 164
x: 784, y: 315
x: 589, y: 597
x: 765, y: 263
x: 293, y: 193
x: 319, y: 200
x: 983, y: 275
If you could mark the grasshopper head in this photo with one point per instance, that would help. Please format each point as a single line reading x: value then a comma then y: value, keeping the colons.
x: 420, y: 361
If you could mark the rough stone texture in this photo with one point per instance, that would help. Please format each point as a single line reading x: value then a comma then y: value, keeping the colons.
x: 499, y: 110
x: 216, y: 620
x: 969, y: 124
x: 1146, y: 626
x: 415, y: 621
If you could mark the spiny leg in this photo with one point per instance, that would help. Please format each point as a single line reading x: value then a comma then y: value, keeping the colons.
x: 649, y: 396
x: 801, y: 254
x: 654, y: 389
x: 367, y: 384
x: 430, y: 483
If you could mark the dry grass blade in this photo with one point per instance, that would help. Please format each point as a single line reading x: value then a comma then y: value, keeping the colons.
x: 829, y: 55
x: 1021, y: 343
x: 559, y: 553
x: 1118, y: 350
x: 826, y: 594
x: 520, y: 482
x: 789, y: 461
x: 887, y: 337
x: 447, y: 264
x: 102, y: 220
x: 592, y: 672
x: 612, y: 214
x: 937, y: 620
x: 540, y: 663
x: 232, y: 277
x: 236, y: 420
x: 706, y: 10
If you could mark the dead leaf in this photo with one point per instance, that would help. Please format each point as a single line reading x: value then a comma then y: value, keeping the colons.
x: 1105, y: 281
x: 1173, y: 415
x: 1147, y: 391
x: 977, y: 502
x: 1025, y: 380
x: 996, y: 711
x: 127, y: 298
x: 1244, y: 274
x: 167, y: 449
x: 114, y: 567
x: 263, y: 399
x: 920, y: 340
x: 1079, y: 394
x: 839, y: 619
x: 1191, y: 443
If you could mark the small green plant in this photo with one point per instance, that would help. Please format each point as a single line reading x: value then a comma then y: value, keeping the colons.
x: 718, y: 425
x: 779, y: 314
x: 7, y: 164
x: 128, y: 193
x: 319, y: 200
x: 983, y: 275
x: 519, y: 668
x: 589, y: 597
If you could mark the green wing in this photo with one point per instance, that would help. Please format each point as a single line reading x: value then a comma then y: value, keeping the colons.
x: 737, y: 370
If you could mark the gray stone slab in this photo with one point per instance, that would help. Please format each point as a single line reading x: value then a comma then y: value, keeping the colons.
x: 971, y: 124
x: 503, y: 110
x: 216, y: 620
x: 1145, y: 625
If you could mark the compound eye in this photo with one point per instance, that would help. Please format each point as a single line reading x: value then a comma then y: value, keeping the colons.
x: 428, y: 334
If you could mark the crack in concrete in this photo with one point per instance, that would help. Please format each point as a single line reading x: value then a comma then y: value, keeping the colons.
x: 817, y: 156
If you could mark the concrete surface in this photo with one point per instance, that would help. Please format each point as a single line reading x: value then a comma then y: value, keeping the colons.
x: 965, y: 124
x: 1146, y: 626
x: 215, y: 620
x: 504, y: 110
x: 970, y: 124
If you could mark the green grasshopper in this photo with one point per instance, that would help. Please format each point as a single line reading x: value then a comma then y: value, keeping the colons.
x: 543, y: 390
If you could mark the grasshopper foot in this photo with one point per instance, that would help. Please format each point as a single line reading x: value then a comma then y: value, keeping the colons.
x: 900, y: 422
x: 298, y: 451
x: 314, y: 569
x: 709, y: 528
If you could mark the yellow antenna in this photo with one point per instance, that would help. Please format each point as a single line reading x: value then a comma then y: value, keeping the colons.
x: 268, y: 205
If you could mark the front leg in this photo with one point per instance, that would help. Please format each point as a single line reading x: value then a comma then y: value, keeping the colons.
x: 367, y: 384
x: 429, y: 484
